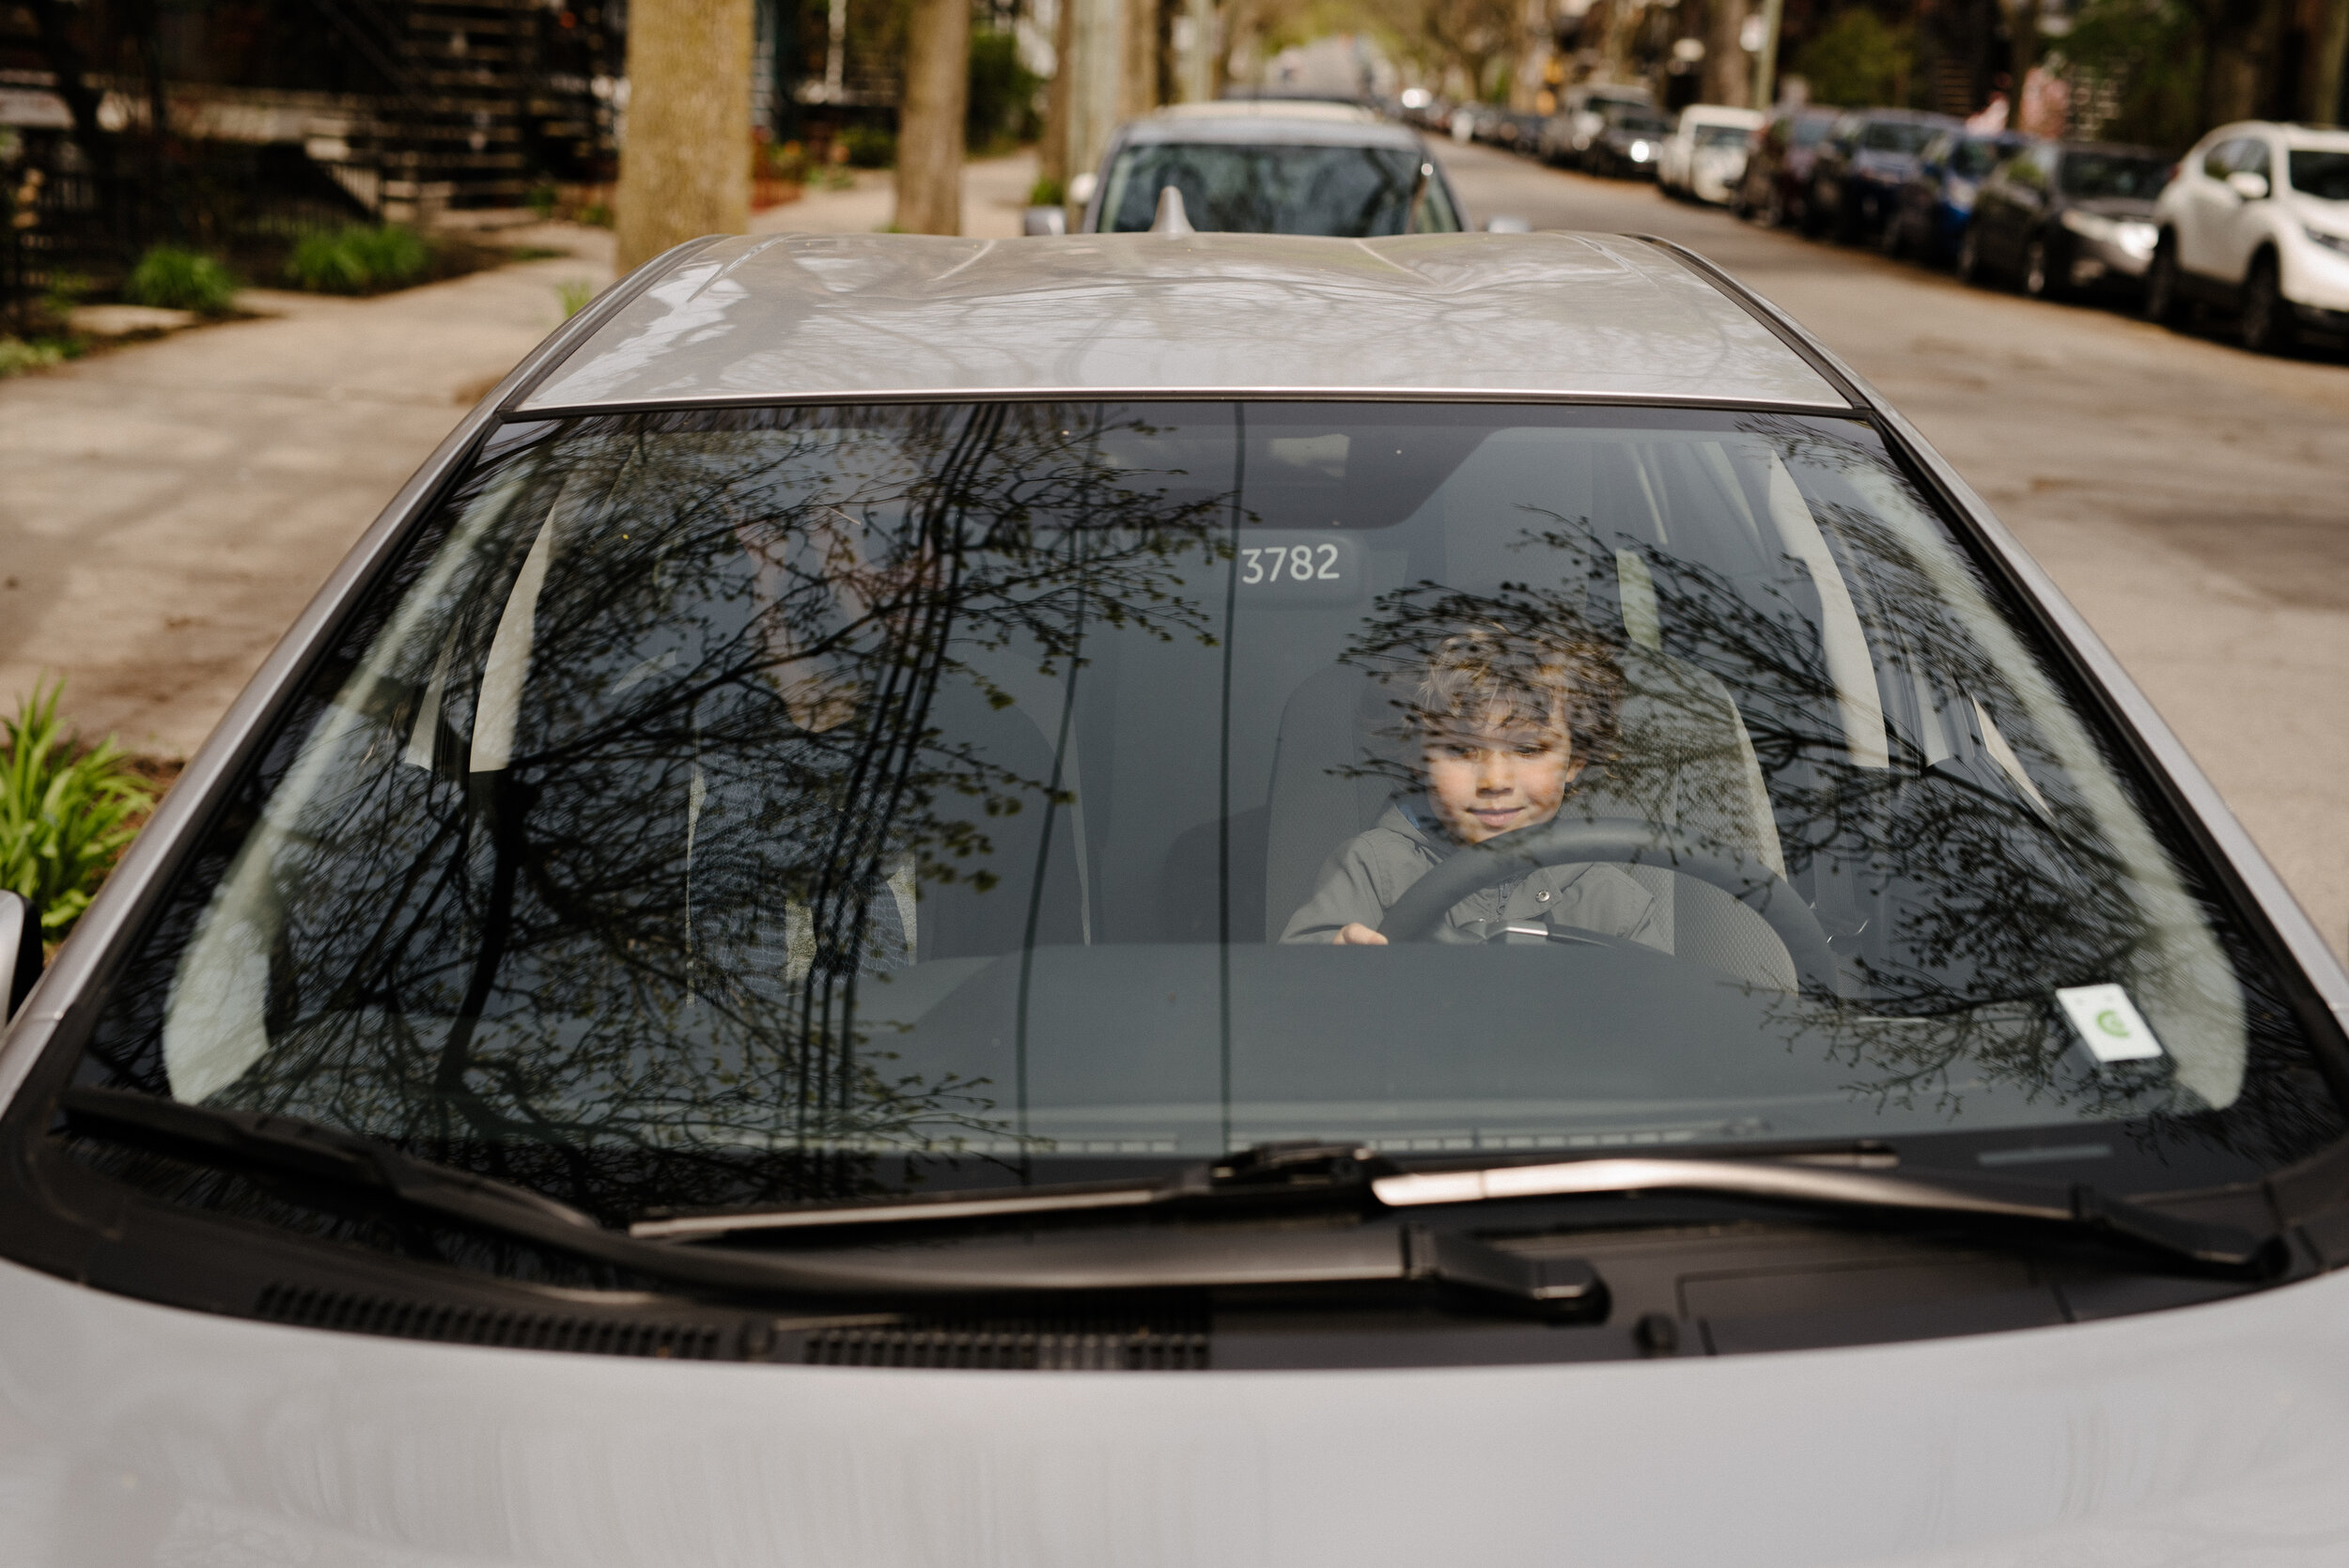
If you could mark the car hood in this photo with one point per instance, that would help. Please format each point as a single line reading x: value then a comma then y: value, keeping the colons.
x: 132, y: 1432
x: 2114, y: 206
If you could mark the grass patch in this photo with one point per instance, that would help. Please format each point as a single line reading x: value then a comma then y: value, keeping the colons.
x: 177, y: 279
x: 66, y: 811
x: 574, y: 293
x: 17, y: 354
x: 359, y: 258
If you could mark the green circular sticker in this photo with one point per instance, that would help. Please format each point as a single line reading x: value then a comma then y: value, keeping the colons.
x: 2109, y: 1021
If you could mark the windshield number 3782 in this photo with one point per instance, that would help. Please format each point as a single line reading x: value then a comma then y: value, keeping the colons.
x: 1300, y: 562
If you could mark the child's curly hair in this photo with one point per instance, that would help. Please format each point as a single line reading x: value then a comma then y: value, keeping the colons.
x: 1486, y: 671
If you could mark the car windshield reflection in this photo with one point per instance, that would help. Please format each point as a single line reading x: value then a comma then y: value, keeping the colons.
x: 716, y: 808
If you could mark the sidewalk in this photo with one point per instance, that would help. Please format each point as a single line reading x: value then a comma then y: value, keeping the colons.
x: 166, y: 509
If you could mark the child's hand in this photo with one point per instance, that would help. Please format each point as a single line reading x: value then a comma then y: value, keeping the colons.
x: 1355, y: 934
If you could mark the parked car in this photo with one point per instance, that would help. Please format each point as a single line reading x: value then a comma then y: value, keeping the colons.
x: 1856, y: 174
x: 1271, y: 167
x: 1568, y: 134
x: 1629, y: 143
x: 2064, y: 216
x: 1705, y: 157
x: 1777, y: 182
x: 1511, y: 129
x: 740, y: 988
x: 2257, y: 223
x: 1936, y: 201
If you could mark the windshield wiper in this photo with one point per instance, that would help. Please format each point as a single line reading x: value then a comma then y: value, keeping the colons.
x: 1325, y: 1173
x: 1401, y: 1254
x: 2077, y: 1207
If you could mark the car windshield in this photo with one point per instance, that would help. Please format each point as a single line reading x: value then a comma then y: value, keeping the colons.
x: 1721, y: 135
x: 1638, y: 120
x: 2322, y: 175
x: 1894, y: 135
x: 1975, y: 159
x: 1241, y: 188
x: 720, y: 807
x: 2134, y: 176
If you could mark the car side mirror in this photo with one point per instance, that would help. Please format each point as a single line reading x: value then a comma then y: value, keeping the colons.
x: 1508, y: 225
x: 20, y: 949
x: 2249, y: 186
x: 1035, y: 222
x: 1080, y: 188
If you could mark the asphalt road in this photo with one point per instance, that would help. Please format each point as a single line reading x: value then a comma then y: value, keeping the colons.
x: 2191, y: 500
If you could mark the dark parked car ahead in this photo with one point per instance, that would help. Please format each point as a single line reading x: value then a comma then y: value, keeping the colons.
x: 1861, y: 167
x: 2065, y: 216
x: 1777, y: 170
x: 1936, y: 201
x: 1629, y: 144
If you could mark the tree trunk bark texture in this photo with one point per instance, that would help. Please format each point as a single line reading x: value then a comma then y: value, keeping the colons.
x: 1728, y: 74
x: 685, y: 170
x: 929, y: 116
x: 2320, y: 82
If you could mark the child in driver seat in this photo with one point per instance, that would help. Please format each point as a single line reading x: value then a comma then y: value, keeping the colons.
x: 1502, y: 724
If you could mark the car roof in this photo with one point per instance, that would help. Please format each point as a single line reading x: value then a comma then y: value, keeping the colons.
x: 1720, y: 114
x: 2320, y: 137
x: 748, y: 320
x: 1275, y: 124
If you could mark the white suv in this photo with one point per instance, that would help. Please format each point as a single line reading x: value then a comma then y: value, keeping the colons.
x: 2257, y: 220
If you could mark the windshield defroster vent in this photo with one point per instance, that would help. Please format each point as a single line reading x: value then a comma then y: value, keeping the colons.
x: 499, y: 1326
x: 1056, y: 1346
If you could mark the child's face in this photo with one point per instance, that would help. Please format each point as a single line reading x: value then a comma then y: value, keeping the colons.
x: 1500, y: 773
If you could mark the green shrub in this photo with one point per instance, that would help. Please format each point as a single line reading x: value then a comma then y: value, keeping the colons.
x: 180, y: 280
x: 64, y: 814
x: 574, y: 293
x: 870, y: 147
x: 1048, y: 191
x: 1858, y: 60
x: 1000, y: 110
x: 16, y: 354
x: 359, y: 259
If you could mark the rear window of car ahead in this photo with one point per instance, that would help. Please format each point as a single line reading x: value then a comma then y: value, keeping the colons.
x: 1235, y: 188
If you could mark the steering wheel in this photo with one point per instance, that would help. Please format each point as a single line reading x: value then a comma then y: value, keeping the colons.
x: 1417, y: 915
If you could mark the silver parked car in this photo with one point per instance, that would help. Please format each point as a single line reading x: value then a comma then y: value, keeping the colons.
x: 1180, y: 899
x: 1270, y: 166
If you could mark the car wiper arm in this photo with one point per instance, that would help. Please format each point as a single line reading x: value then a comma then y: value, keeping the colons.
x: 2079, y: 1206
x: 1338, y: 1174
x: 1403, y: 1254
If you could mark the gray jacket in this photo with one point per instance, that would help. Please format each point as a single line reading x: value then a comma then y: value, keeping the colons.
x: 1370, y: 870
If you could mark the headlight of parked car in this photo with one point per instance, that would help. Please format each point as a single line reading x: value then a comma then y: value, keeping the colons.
x: 2131, y: 235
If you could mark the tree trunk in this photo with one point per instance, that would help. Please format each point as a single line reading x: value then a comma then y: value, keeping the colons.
x: 1138, y: 91
x: 2244, y: 37
x: 2320, y: 79
x: 929, y: 116
x: 685, y: 170
x: 1728, y: 74
x: 1052, y: 153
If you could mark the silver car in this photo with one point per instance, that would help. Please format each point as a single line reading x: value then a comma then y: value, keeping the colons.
x: 1270, y: 166
x: 1167, y: 900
